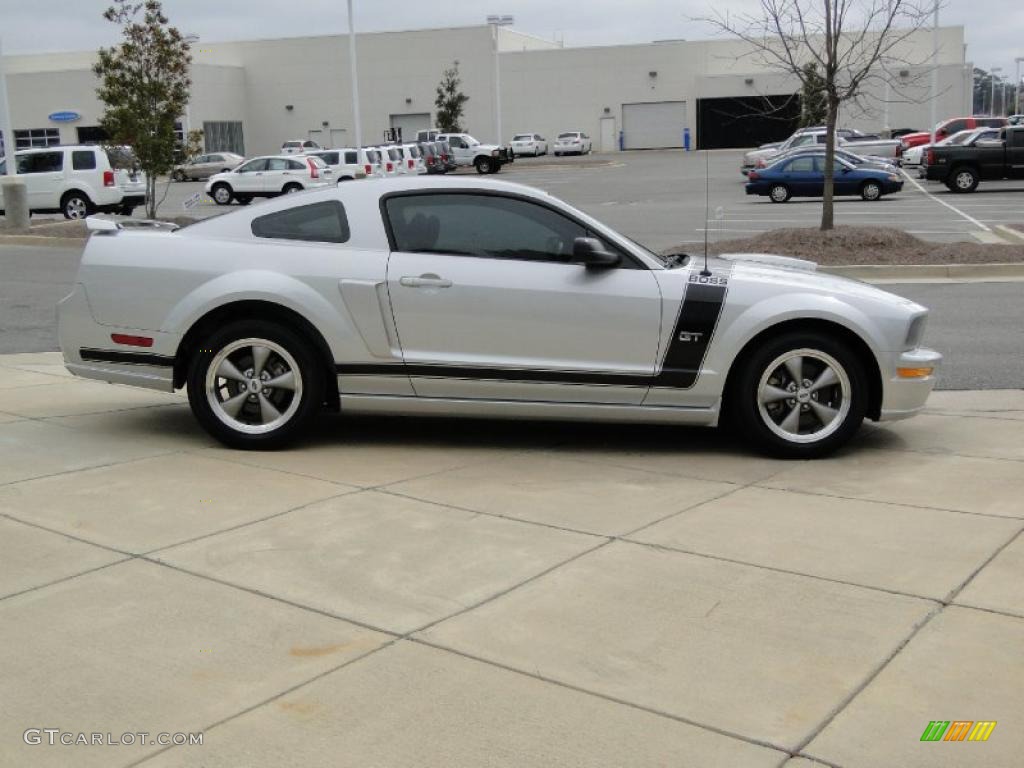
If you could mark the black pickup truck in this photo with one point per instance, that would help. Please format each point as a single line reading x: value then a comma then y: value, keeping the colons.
x: 961, y: 168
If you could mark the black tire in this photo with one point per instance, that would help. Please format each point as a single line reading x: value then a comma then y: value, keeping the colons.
x: 845, y: 401
x: 291, y: 189
x: 243, y: 199
x: 222, y: 193
x: 178, y: 175
x: 963, y: 179
x: 127, y: 210
x: 871, y: 191
x: 76, y: 205
x: 238, y: 431
x: 483, y: 165
x: 779, y: 193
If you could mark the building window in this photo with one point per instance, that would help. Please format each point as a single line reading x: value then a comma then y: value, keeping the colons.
x: 37, y: 137
x: 224, y: 136
x: 179, y: 132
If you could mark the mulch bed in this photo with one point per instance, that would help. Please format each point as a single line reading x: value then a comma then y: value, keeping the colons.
x: 860, y: 245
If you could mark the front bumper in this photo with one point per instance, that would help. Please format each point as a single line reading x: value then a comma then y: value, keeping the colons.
x: 902, y: 397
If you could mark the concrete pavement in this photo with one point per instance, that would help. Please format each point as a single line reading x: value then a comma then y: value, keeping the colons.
x: 440, y: 592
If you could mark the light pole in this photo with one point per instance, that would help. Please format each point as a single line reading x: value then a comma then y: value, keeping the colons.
x: 191, y: 39
x: 355, y: 78
x: 992, y: 98
x: 935, y: 69
x: 495, y: 22
x: 1016, y: 87
x: 5, y: 121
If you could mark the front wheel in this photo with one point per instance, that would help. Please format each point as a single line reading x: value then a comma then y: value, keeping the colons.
x: 254, y: 384
x: 484, y: 165
x: 871, y: 191
x: 800, y: 396
x: 222, y: 194
x: 964, y: 180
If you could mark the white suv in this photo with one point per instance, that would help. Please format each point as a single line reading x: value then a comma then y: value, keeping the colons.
x: 412, y: 159
x: 76, y: 180
x: 345, y: 163
x: 269, y: 176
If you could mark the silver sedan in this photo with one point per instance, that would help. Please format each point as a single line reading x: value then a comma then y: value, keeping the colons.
x: 205, y: 166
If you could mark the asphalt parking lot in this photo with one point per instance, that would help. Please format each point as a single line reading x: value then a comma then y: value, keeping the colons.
x: 419, y: 592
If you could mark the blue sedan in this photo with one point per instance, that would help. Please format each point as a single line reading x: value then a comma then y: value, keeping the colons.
x: 804, y: 176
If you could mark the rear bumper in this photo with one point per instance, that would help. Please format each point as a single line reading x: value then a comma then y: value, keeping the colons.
x: 901, y: 397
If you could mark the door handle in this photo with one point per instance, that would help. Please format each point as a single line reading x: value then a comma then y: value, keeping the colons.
x: 425, y: 281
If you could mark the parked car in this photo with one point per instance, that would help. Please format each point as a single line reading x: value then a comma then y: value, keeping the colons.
x: 412, y: 159
x: 1015, y: 120
x: 816, y: 149
x: 129, y: 178
x: 390, y: 160
x: 467, y: 151
x: 346, y: 164
x: 804, y: 176
x: 962, y: 168
x: 913, y: 158
x: 446, y: 155
x: 529, y: 144
x: 204, y: 166
x: 499, y: 300
x: 433, y: 157
x: 572, y: 142
x: 846, y: 138
x: 947, y: 128
x: 268, y: 176
x: 77, y: 180
x: 299, y: 147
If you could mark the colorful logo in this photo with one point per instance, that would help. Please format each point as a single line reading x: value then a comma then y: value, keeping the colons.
x: 958, y: 730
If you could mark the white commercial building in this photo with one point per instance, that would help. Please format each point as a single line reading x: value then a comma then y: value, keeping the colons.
x: 250, y: 96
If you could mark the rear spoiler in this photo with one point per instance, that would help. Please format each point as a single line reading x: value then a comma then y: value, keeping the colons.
x: 103, y: 226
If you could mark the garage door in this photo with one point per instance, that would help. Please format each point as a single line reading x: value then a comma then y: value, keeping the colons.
x: 410, y: 124
x: 655, y: 125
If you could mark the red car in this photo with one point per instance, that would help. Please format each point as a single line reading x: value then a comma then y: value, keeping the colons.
x: 948, y: 127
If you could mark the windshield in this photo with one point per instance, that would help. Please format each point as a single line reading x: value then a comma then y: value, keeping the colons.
x: 471, y: 141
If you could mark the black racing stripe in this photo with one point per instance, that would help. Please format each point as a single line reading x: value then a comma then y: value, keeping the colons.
x: 691, y: 337
x: 692, y: 334
x: 126, y: 358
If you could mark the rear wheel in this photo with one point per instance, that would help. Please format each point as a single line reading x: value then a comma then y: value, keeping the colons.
x: 779, y: 193
x: 871, y: 190
x: 291, y: 189
x: 243, y: 199
x: 964, y: 180
x: 801, y: 395
x: 254, y: 384
x: 178, y: 175
x: 222, y: 194
x: 75, y: 205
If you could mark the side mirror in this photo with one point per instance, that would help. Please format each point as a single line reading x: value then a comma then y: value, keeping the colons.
x: 845, y: 169
x: 591, y: 252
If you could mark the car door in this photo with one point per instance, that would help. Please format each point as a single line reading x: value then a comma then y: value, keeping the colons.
x: 249, y: 176
x: 802, y: 176
x: 213, y: 164
x: 845, y: 180
x: 43, y: 174
x: 488, y: 303
x: 460, y: 150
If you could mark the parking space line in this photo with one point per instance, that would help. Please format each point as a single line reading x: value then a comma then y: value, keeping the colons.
x: 951, y: 207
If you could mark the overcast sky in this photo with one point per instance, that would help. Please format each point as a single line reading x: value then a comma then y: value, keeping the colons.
x: 993, y: 27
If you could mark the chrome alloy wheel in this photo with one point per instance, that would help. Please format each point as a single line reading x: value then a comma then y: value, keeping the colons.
x: 222, y: 195
x: 964, y: 180
x: 804, y: 395
x: 254, y: 386
x: 76, y: 208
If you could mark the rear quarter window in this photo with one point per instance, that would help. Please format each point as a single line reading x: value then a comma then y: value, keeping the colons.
x: 324, y: 222
x: 83, y: 160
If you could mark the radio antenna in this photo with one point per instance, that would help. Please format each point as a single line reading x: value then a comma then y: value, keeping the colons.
x: 707, y: 213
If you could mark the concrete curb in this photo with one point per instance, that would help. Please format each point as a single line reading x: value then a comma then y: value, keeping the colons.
x: 911, y: 272
x: 47, y: 240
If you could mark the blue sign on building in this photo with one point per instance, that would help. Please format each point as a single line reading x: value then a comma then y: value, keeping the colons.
x: 64, y: 117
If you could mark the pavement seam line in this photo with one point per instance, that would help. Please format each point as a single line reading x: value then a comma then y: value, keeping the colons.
x: 955, y: 592
x: 65, y: 578
x: 597, y: 694
x: 107, y: 465
x: 79, y: 539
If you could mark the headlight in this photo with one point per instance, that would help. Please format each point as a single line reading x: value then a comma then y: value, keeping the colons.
x: 915, y: 332
x: 893, y: 177
x: 495, y: 153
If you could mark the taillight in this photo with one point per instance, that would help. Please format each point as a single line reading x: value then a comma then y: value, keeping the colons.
x: 753, y: 176
x: 412, y: 163
x: 430, y: 159
x: 368, y: 168
x: 391, y: 167
x: 314, y: 172
x: 108, y: 178
x: 931, y: 157
x: 131, y: 341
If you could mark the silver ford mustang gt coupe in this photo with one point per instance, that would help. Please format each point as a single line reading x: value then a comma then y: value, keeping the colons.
x: 482, y: 298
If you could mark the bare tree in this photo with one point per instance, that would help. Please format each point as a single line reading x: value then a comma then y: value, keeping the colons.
x: 850, y: 43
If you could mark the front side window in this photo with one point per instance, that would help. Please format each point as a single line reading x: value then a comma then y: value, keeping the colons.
x: 324, y: 222
x: 484, y: 226
x: 41, y: 162
x: 457, y: 142
x: 83, y: 160
x: 214, y: 159
x: 259, y: 164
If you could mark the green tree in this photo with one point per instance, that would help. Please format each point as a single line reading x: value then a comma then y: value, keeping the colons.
x: 144, y: 87
x: 813, y: 104
x: 450, y: 101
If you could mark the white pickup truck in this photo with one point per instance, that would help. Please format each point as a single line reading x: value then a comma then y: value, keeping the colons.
x: 486, y: 158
